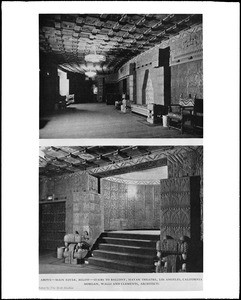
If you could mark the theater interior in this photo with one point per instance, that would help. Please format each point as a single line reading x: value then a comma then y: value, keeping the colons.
x: 121, y: 75
x: 137, y: 208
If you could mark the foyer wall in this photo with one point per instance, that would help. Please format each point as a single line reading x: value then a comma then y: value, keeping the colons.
x: 83, y: 204
x: 130, y: 206
x: 187, y: 78
x: 187, y: 162
x: 186, y: 69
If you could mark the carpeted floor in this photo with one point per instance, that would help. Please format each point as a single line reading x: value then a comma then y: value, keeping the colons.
x: 98, y: 120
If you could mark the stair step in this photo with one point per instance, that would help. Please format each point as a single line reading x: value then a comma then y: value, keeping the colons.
x: 127, y: 235
x: 129, y: 242
x: 127, y: 249
x: 141, y: 259
x: 121, y: 265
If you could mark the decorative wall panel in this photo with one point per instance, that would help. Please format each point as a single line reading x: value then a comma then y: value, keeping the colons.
x: 100, y: 93
x: 93, y: 184
x: 149, y: 91
x: 130, y: 206
x: 83, y: 206
x: 187, y: 161
x: 131, y: 165
x: 186, y: 54
x: 43, y: 189
x: 180, y: 208
x: 189, y: 45
x: 124, y: 71
x: 187, y: 78
x: 131, y: 87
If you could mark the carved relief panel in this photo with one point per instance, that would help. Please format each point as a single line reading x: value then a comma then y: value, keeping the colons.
x: 93, y: 184
x: 187, y: 46
x: 180, y: 207
x: 130, y: 206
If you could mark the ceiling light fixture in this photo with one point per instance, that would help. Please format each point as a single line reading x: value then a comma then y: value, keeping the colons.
x: 94, y: 58
x: 90, y: 73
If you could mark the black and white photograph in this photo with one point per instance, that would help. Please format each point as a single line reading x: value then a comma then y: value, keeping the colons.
x: 121, y: 75
x: 111, y: 188
x: 120, y: 209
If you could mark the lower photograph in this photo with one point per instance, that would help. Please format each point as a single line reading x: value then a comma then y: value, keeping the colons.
x: 120, y: 209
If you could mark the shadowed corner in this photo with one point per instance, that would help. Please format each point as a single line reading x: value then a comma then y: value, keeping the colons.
x: 42, y: 123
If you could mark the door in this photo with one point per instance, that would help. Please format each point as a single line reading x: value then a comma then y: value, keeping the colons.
x: 51, y: 225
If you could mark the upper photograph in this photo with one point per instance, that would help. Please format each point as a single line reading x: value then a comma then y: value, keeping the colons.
x: 120, y: 76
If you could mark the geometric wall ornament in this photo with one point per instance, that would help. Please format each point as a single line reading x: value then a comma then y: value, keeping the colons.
x: 180, y: 208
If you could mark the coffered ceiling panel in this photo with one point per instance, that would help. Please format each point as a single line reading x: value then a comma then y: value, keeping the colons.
x: 66, y: 38
x: 54, y: 161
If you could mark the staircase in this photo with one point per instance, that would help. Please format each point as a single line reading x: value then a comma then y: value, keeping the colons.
x: 125, y: 252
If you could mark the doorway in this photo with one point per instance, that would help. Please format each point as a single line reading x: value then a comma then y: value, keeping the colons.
x: 51, y: 225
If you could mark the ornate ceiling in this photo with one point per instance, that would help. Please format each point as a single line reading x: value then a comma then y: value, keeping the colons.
x: 66, y: 38
x: 100, y: 161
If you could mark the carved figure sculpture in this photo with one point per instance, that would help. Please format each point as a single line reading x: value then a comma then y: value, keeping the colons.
x: 172, y: 255
x: 76, y: 248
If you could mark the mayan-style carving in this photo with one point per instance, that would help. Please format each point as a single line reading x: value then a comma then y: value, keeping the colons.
x: 185, y: 162
x: 122, y: 201
x: 123, y: 71
x: 180, y: 207
x: 155, y: 157
x: 175, y: 199
x: 136, y: 182
x: 105, y: 189
x: 131, y: 206
x: 175, y: 216
x: 93, y: 184
x: 172, y: 255
x: 105, y: 184
x: 175, y: 185
x: 149, y: 91
x: 187, y: 46
x: 76, y: 248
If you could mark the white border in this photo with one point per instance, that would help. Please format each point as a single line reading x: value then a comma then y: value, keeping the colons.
x: 20, y: 144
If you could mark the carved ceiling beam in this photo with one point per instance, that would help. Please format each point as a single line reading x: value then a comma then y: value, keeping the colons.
x: 125, y: 166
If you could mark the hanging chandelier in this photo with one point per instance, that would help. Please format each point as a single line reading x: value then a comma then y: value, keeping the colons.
x: 94, y: 58
x: 90, y: 73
